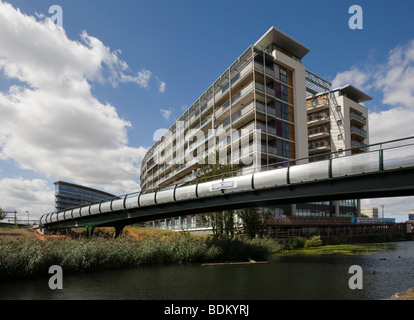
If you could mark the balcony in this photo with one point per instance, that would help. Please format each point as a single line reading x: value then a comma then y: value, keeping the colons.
x: 318, y: 132
x: 359, y: 146
x: 318, y: 118
x: 234, y: 99
x: 317, y: 105
x: 319, y: 146
x: 358, y: 132
x: 355, y: 117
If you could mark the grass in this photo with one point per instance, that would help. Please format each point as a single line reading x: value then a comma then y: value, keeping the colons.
x: 339, y: 249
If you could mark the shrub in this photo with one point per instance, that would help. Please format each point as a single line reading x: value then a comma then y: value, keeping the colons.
x: 314, y: 241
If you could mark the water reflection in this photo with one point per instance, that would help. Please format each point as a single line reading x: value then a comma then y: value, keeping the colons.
x: 322, y: 276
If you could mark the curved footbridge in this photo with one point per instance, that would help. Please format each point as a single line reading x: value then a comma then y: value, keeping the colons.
x: 385, y: 170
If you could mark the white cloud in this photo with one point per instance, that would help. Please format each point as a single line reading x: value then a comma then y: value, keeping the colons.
x: 166, y: 113
x: 162, y: 87
x: 38, y: 197
x: 143, y: 78
x: 396, y: 78
x: 354, y: 76
x: 394, y: 119
x: 50, y: 122
x: 395, y: 82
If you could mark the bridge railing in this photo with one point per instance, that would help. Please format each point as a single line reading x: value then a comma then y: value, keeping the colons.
x: 389, y: 155
x: 378, y: 156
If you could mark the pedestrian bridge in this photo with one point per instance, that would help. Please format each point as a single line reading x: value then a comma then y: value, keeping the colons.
x: 384, y: 170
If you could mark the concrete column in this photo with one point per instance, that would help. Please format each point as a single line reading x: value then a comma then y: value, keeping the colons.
x: 118, y: 230
x: 358, y: 207
x: 89, y: 231
x: 293, y: 210
x: 336, y: 208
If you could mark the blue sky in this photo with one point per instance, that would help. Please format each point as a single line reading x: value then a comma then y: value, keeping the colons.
x: 82, y: 104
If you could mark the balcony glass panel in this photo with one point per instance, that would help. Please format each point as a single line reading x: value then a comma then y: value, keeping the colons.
x: 359, y: 131
x: 356, y: 164
x: 358, y: 117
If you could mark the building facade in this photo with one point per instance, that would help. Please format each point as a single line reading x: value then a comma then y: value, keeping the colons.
x: 337, y: 122
x: 68, y: 195
x: 258, y: 114
x: 370, y: 212
x: 254, y: 114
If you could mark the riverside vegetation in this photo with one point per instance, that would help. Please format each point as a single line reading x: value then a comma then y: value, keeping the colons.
x: 28, y: 256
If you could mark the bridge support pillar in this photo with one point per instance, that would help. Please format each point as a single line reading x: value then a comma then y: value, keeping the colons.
x: 89, y: 231
x: 358, y: 207
x: 118, y: 230
x: 293, y: 209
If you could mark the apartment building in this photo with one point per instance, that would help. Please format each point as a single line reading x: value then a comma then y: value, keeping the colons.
x: 337, y: 122
x: 259, y: 114
x: 254, y: 114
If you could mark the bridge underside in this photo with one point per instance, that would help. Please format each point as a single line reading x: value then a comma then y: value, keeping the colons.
x: 392, y: 183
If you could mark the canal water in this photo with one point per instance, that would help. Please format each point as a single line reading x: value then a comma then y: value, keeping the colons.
x: 293, y: 277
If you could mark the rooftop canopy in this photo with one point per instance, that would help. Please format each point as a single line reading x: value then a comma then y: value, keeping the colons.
x: 283, y: 41
x: 355, y: 93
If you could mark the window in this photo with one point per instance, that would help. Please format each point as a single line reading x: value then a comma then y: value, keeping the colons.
x: 339, y: 122
x: 235, y: 78
x: 285, y: 130
x: 285, y: 111
x: 286, y: 149
x: 225, y: 87
x: 335, y: 94
x: 338, y: 108
x: 281, y: 91
x: 283, y: 75
x: 226, y: 122
x: 340, y: 137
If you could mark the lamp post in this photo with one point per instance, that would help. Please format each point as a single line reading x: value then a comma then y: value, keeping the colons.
x: 27, y: 218
x: 382, y: 206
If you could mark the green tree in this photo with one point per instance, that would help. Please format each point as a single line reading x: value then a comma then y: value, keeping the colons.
x: 2, y: 214
x: 221, y: 222
x: 254, y: 221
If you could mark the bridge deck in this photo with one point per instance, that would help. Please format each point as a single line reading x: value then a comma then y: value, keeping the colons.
x: 378, y: 173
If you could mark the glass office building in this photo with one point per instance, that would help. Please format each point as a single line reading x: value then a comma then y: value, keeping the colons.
x: 68, y: 195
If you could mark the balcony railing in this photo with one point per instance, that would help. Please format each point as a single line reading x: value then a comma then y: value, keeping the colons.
x: 318, y: 116
x: 358, y: 131
x: 318, y: 130
x: 357, y: 144
x: 358, y: 117
x: 319, y: 145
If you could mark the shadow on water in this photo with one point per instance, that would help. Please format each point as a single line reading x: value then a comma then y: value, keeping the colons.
x: 304, y: 274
